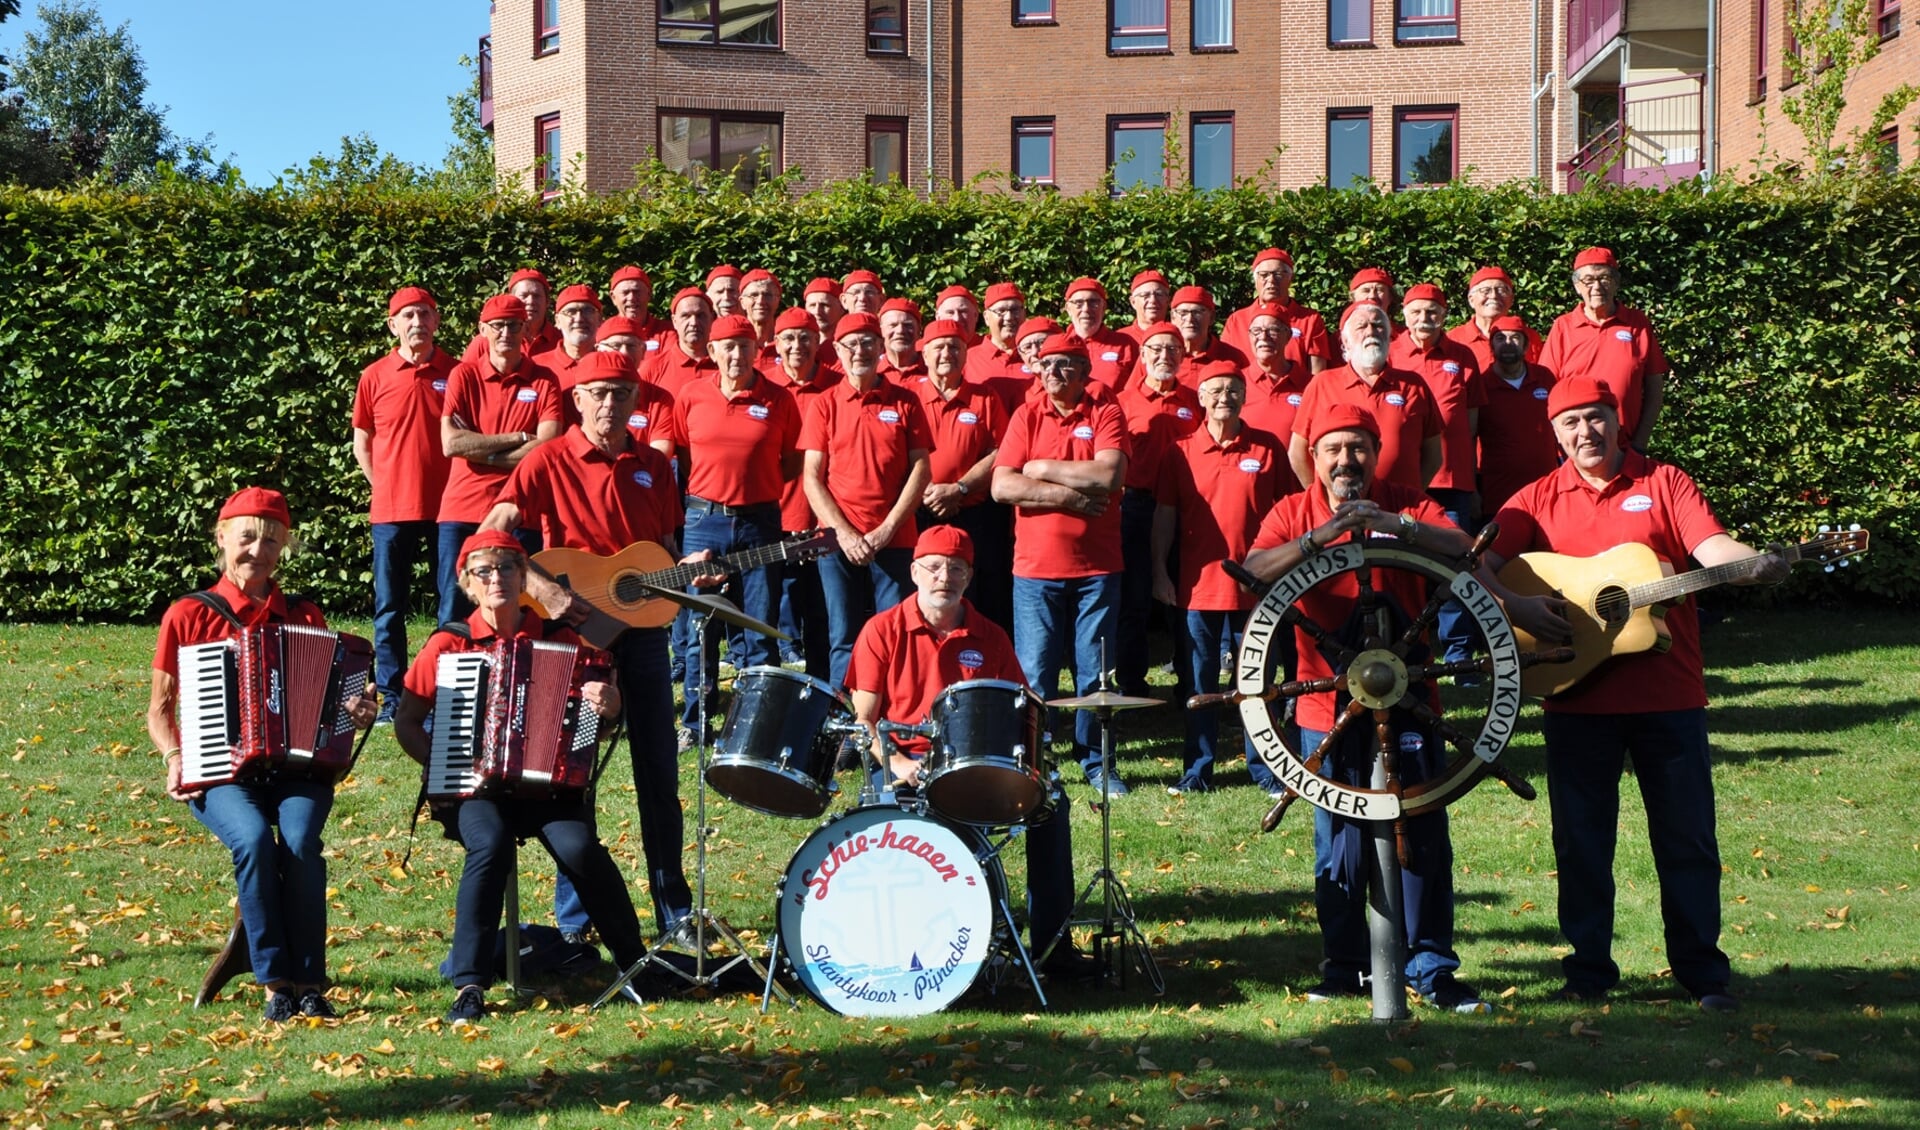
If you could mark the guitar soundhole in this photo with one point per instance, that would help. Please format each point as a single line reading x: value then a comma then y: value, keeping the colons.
x: 627, y: 589
x: 1613, y: 605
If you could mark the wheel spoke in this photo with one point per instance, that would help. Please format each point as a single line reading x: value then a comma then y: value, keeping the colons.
x: 1423, y: 621
x: 1341, y: 654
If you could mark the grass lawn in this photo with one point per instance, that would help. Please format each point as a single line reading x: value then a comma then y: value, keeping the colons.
x: 114, y: 899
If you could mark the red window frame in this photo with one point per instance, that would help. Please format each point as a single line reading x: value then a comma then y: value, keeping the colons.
x: 1120, y: 36
x: 1448, y: 114
x: 1762, y: 24
x: 546, y: 147
x: 1034, y: 18
x: 1210, y: 118
x: 1118, y: 122
x: 1362, y: 5
x: 1349, y: 114
x: 1402, y: 22
x: 1888, y: 18
x: 546, y: 35
x: 896, y: 127
x: 900, y: 38
x: 1034, y: 127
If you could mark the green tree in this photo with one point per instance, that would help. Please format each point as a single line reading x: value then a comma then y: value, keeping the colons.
x: 469, y: 162
x: 1836, y: 38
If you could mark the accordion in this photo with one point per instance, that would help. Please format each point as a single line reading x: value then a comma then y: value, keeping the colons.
x: 270, y: 699
x: 509, y: 720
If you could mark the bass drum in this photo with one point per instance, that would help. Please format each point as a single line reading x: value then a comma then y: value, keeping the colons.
x: 776, y: 752
x: 887, y: 912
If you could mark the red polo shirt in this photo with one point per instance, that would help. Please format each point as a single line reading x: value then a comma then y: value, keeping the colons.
x: 1517, y: 444
x: 1216, y: 350
x: 964, y: 429
x: 654, y: 417
x: 1113, y: 355
x: 1331, y: 602
x: 187, y: 621
x: 1051, y: 544
x: 423, y: 675
x: 868, y: 439
x: 1621, y: 351
x: 898, y: 657
x: 903, y: 375
x: 492, y: 403
x: 735, y: 447
x: 580, y: 497
x: 1401, y: 404
x: 1468, y: 333
x: 1453, y: 377
x: 562, y: 365
x: 399, y: 404
x: 1155, y: 421
x: 796, y: 513
x: 1271, y: 405
x: 1221, y: 491
x: 535, y: 343
x: 1000, y: 370
x: 1306, y: 338
x: 670, y: 368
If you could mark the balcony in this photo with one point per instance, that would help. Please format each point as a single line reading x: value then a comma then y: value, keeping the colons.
x: 1655, y: 141
x: 486, y: 82
x: 1591, y: 26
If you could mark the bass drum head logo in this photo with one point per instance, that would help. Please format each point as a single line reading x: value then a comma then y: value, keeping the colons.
x: 1636, y: 503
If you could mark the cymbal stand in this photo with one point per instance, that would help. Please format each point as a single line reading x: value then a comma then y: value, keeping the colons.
x: 701, y: 923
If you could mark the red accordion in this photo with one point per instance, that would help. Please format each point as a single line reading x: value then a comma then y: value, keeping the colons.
x: 270, y: 699
x: 509, y: 720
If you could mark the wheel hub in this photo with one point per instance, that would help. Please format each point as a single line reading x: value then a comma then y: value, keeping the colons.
x: 1377, y: 678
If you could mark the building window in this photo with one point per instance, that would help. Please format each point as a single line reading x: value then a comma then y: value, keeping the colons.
x: 1033, y: 150
x: 1136, y: 152
x: 886, y: 27
x: 1349, y: 23
x: 731, y: 23
x: 1426, y: 21
x: 745, y: 145
x: 1349, y: 148
x: 1757, y: 89
x: 887, y: 150
x: 1033, y: 11
x: 546, y: 161
x: 1889, y: 18
x: 1212, y: 25
x: 1423, y: 146
x: 1137, y: 25
x: 546, y: 27
x: 1890, y: 150
x: 1212, y: 151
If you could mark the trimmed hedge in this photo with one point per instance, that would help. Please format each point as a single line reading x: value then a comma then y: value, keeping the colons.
x: 156, y: 351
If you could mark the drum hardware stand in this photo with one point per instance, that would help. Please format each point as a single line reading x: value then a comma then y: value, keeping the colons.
x: 1012, y: 941
x: 694, y: 930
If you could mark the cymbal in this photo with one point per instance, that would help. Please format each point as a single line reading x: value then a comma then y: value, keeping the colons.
x: 719, y: 607
x: 1105, y: 700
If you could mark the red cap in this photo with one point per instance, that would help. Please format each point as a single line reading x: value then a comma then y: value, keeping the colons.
x: 856, y: 324
x: 757, y: 275
x: 257, y: 502
x: 1001, y: 292
x: 1190, y: 296
x: 1509, y: 323
x: 1353, y: 307
x: 1578, y: 392
x: 854, y: 278
x: 1370, y: 275
x: 1064, y: 345
x: 1083, y: 283
x: 1147, y: 276
x: 576, y: 293
x: 939, y: 328
x: 794, y: 318
x: 1489, y: 274
x: 1424, y: 292
x: 723, y: 271
x: 944, y: 541
x: 1156, y: 329
x: 488, y: 539
x: 525, y: 273
x: 625, y: 273
x: 600, y: 365
x: 733, y: 325
x: 1214, y: 369
x: 1265, y: 310
x: 1595, y: 257
x: 822, y: 285
x: 901, y: 306
x: 1345, y: 417
x: 410, y: 296
x: 685, y: 293
x: 1272, y: 254
x: 503, y: 308
x: 1035, y: 326
x: 617, y: 326
x: 956, y: 291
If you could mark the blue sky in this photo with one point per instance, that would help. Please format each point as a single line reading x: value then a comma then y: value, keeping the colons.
x: 277, y: 81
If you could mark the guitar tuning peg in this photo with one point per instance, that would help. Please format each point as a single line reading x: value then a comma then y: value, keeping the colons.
x: 1855, y: 528
x: 1824, y: 529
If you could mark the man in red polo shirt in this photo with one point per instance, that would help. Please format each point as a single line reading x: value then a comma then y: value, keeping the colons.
x: 741, y: 430
x: 1516, y: 437
x: 396, y: 442
x: 905, y: 657
x: 535, y: 295
x: 967, y: 421
x: 597, y: 490
x: 1346, y: 499
x: 960, y: 306
x: 804, y: 372
x: 1489, y: 296
x: 1306, y: 332
x: 576, y: 314
x: 861, y: 293
x: 1111, y: 353
x: 684, y: 358
x: 995, y: 362
x: 1148, y: 295
x: 723, y: 289
x: 1215, y: 486
x: 496, y: 411
x: 1369, y: 285
x: 865, y: 445
x: 1650, y: 707
x: 1276, y: 383
x: 900, y: 360
x: 652, y: 419
x: 1605, y: 339
x: 760, y: 303
x: 1160, y: 412
x: 1400, y: 402
x: 822, y: 300
x: 632, y: 293
x: 1192, y: 313
x: 1061, y: 465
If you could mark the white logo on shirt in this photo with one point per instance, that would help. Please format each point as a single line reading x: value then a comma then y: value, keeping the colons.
x: 1293, y: 400
x: 889, y: 416
x: 439, y: 386
x: 758, y: 411
x: 1451, y: 368
x: 969, y: 418
x: 652, y: 344
x: 1250, y: 466
x: 1396, y: 400
x: 972, y: 658
x: 1635, y: 503
x: 1411, y: 742
x: 527, y: 395
x: 644, y: 478
x: 1110, y: 355
x: 1184, y: 413
x: 1539, y: 394
x: 637, y: 420
x: 1623, y: 335
x: 1296, y: 332
x: 1083, y: 432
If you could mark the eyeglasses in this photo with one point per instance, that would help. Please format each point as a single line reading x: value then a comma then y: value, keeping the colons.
x: 1228, y: 392
x: 1588, y: 282
x: 943, y: 566
x: 486, y: 573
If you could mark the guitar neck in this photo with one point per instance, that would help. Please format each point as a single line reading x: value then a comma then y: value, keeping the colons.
x: 679, y: 576
x: 1669, y: 589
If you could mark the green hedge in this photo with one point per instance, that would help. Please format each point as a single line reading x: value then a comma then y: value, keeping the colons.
x: 158, y: 350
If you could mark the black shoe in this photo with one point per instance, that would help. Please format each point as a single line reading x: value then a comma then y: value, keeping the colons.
x: 1334, y: 989
x: 1067, y: 963
x: 1454, y: 995
x: 281, y: 1008
x: 1718, y: 1000
x: 469, y: 1006
x: 313, y: 1002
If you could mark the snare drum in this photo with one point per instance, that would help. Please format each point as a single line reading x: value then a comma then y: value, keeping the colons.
x: 888, y: 912
x: 776, y: 751
x: 988, y: 764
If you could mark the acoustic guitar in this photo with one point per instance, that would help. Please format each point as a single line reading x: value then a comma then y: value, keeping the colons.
x: 620, y: 587
x: 1614, y: 599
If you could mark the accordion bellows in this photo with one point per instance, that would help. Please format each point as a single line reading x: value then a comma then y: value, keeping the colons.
x: 270, y: 699
x: 509, y: 720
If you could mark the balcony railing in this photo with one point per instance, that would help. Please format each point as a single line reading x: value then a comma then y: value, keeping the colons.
x: 1591, y: 25
x: 486, y: 82
x: 1656, y: 141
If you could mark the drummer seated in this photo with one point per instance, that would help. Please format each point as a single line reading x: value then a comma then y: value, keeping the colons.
x: 903, y: 658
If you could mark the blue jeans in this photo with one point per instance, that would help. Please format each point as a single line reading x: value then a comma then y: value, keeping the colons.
x: 1049, y: 616
x: 1456, y: 632
x: 854, y: 593
x: 282, y: 883
x: 1339, y: 871
x: 396, y: 548
x: 1585, y: 755
x: 454, y: 604
x: 1136, y: 589
x: 803, y: 615
x: 1207, y: 633
x: 755, y: 591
